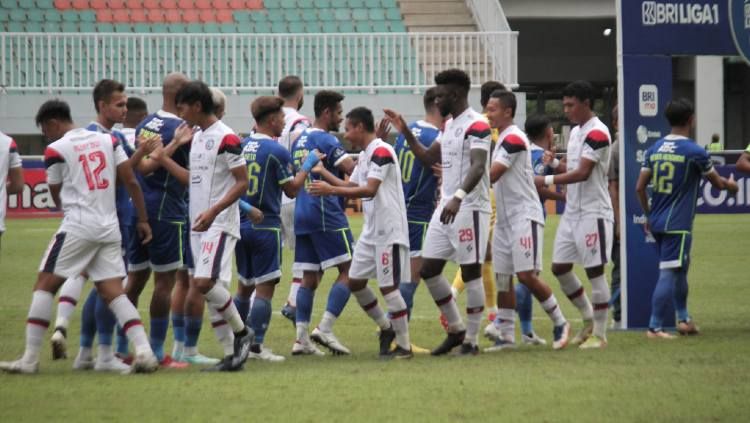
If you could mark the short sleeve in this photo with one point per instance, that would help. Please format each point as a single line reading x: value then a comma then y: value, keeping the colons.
x: 14, y: 157
x: 510, y: 148
x: 747, y: 150
x: 284, y: 169
x: 230, y: 150
x: 646, y: 164
x: 356, y: 176
x: 479, y: 136
x: 536, y: 162
x: 596, y: 145
x: 381, y: 162
x: 332, y: 148
x: 703, y: 161
x: 614, y: 162
x: 118, y: 151
x: 53, y: 162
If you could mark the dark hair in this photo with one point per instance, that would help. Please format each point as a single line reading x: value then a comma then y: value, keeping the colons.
x: 137, y: 105
x: 429, y: 98
x: 196, y: 91
x: 264, y: 106
x: 104, y: 89
x: 507, y: 99
x: 289, y: 86
x: 535, y: 126
x: 582, y: 90
x: 362, y: 115
x: 53, y: 109
x: 326, y: 99
x: 455, y: 77
x: 487, y: 89
x: 679, y: 111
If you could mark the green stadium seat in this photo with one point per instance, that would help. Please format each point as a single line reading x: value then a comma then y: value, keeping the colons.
x: 393, y: 14
x: 194, y: 28
x: 309, y: 15
x: 122, y: 28
x: 297, y: 28
x: 380, y: 26
x: 45, y: 4
x: 360, y: 14
x: 339, y: 4
x: 293, y: 16
x: 52, y: 16
x: 229, y: 28
x: 330, y: 27
x: 363, y: 26
x: 35, y: 16
x: 70, y: 16
x: 26, y: 4
x: 397, y: 26
x: 8, y: 4
x: 343, y: 15
x: 70, y: 27
x: 87, y: 16
x: 388, y: 3
x: 34, y: 27
x: 288, y: 4
x: 159, y: 28
x: 105, y: 28
x: 347, y: 26
x: 4, y: 15
x: 279, y: 28
x: 272, y: 4
x: 313, y: 27
x: 17, y: 15
x: 262, y: 27
x: 139, y: 28
x: 309, y: 4
x: 376, y: 14
x: 276, y: 15
x: 211, y: 28
x: 87, y: 27
x: 241, y: 16
x: 177, y: 28
x: 354, y: 4
x: 326, y: 15
x: 259, y: 16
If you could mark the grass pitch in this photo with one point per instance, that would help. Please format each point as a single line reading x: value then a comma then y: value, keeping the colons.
x: 703, y: 378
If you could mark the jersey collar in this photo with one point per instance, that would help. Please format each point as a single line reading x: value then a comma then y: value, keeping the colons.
x: 162, y: 113
x: 100, y: 128
x: 425, y: 124
x: 673, y: 137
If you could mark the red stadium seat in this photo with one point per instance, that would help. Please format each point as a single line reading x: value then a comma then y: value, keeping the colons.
x: 80, y: 4
x: 220, y: 4
x: 116, y: 4
x: 224, y: 16
x: 152, y: 4
x: 254, y: 4
x: 168, y: 4
x: 173, y: 16
x: 155, y: 16
x: 121, y: 16
x: 99, y: 4
x: 63, y: 4
x: 203, y: 4
x: 207, y: 16
x: 134, y: 4
x: 237, y: 4
x: 138, y: 15
x: 190, y: 16
x: 104, y: 15
x: 185, y: 4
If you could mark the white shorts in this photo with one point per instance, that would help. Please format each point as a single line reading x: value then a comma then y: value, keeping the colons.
x: 518, y: 248
x: 389, y: 264
x: 287, y: 225
x: 586, y: 241
x: 68, y: 255
x: 212, y: 254
x: 464, y: 241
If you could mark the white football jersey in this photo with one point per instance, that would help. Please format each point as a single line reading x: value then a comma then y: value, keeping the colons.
x: 9, y: 159
x: 129, y: 136
x: 464, y: 133
x: 515, y: 193
x: 589, y: 198
x: 85, y: 163
x: 213, y: 154
x: 385, y: 213
x: 294, y: 124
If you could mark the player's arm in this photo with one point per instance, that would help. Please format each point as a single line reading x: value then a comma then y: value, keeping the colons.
x: 53, y: 163
x: 331, y: 178
x: 614, y: 194
x: 157, y: 154
x: 126, y: 177
x: 496, y: 171
x: 15, y: 181
x: 640, y: 189
x: 721, y: 183
x: 743, y: 163
x: 312, y: 163
x: 349, y: 191
x: 54, y: 192
x: 427, y: 155
x: 161, y: 159
x: 580, y: 174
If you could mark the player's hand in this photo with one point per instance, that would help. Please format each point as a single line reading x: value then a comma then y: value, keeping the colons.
x: 204, y: 220
x: 318, y: 188
x: 732, y: 185
x: 450, y: 210
x: 383, y: 128
x: 183, y: 134
x: 539, y: 181
x: 256, y: 216
x: 548, y: 157
x: 395, y: 119
x: 156, y: 154
x: 437, y: 170
x: 144, y: 232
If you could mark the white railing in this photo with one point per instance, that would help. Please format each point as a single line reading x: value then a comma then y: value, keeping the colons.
x: 54, y: 62
x: 490, y: 17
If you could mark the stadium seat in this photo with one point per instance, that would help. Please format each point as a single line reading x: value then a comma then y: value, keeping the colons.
x: 70, y: 27
x: 339, y: 4
x: 34, y: 27
x: 52, y: 16
x: 376, y: 14
x: 160, y: 28
x: 397, y: 26
x: 17, y: 15
x: 16, y: 27
x: 45, y: 4
x: 220, y: 4
x: 288, y: 4
x: 173, y: 16
x: 4, y: 15
x: 190, y: 16
x: 262, y: 27
x: 87, y: 16
x: 194, y: 28
x: 346, y: 27
x: 393, y: 14
x: 153, y: 5
x: 279, y: 27
x: 380, y: 26
x: 155, y: 15
x: 123, y: 28
x: 80, y: 4
x: 87, y: 27
x: 313, y: 27
x: 116, y: 4
x: 276, y: 16
x: 26, y: 4
x: 8, y: 4
x: 167, y: 4
x: 203, y: 4
x: 177, y: 28
x: 259, y: 16
x: 343, y: 15
x: 138, y: 15
x: 308, y: 4
x: 121, y: 16
x: 224, y: 16
x: 297, y: 27
x: 360, y: 14
x: 105, y: 28
x: 185, y: 5
x: 293, y: 16
x: 98, y: 4
x: 211, y: 28
x: 35, y: 16
x: 134, y: 4
x: 388, y: 3
x: 51, y: 27
x: 272, y: 4
x: 326, y: 15
x: 354, y: 4
x: 63, y: 4
x: 207, y: 16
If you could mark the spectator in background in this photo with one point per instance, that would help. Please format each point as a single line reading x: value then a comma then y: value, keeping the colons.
x: 715, y: 145
x: 614, y: 194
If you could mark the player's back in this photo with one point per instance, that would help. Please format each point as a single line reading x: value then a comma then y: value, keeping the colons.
x: 589, y: 198
x: 85, y: 163
x: 268, y: 168
x: 677, y: 165
x: 125, y: 211
x: 163, y: 193
x: 419, y: 183
x: 515, y: 192
x: 294, y: 122
x: 8, y: 158
x: 325, y: 213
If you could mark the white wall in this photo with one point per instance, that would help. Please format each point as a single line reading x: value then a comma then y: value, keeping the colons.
x: 709, y: 98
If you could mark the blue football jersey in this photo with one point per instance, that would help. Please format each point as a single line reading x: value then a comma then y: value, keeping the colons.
x: 269, y: 166
x: 164, y: 195
x: 677, y: 165
x: 325, y: 213
x: 419, y: 182
x: 123, y: 204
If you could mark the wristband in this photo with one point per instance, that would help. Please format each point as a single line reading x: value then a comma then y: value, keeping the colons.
x: 460, y: 194
x: 310, y: 162
x: 555, y: 163
x: 549, y: 180
x: 245, y: 206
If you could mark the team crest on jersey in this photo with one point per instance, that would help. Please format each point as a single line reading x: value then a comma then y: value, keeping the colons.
x: 155, y: 124
x: 459, y: 131
x: 210, y: 144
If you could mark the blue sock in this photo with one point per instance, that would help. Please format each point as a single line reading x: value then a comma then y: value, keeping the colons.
x: 88, y: 320
x: 407, y: 292
x: 158, y: 334
x: 524, y: 308
x: 260, y: 318
x: 663, y: 293
x: 680, y: 296
x: 192, y: 330
x: 122, y: 342
x: 243, y: 306
x: 337, y: 298
x: 304, y: 304
x: 105, y: 322
x: 178, y: 327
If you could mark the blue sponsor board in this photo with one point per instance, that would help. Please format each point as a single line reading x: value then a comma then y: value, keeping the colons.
x: 711, y: 200
x: 739, y: 23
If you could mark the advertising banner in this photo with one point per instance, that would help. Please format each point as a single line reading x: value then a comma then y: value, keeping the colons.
x: 35, y: 200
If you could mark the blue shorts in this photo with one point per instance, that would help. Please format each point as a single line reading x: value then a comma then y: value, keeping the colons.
x: 165, y: 252
x: 673, y: 249
x: 417, y: 231
x: 321, y: 250
x: 258, y: 255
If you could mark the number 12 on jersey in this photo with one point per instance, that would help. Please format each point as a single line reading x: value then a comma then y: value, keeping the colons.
x: 662, y: 179
x: 94, y: 178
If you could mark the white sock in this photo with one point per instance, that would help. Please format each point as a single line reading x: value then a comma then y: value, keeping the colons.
x: 440, y: 290
x: 326, y: 323
x: 369, y: 303
x: 104, y: 352
x: 506, y: 322
x: 222, y: 330
x: 303, y: 333
x: 399, y: 318
x: 85, y: 353
x: 600, y: 296
x: 70, y: 293
x: 40, y: 313
x: 474, y: 309
x: 130, y: 322
x: 220, y: 299
x: 553, y: 310
x: 177, y: 348
x: 573, y: 288
x: 293, y: 288
x: 192, y: 351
